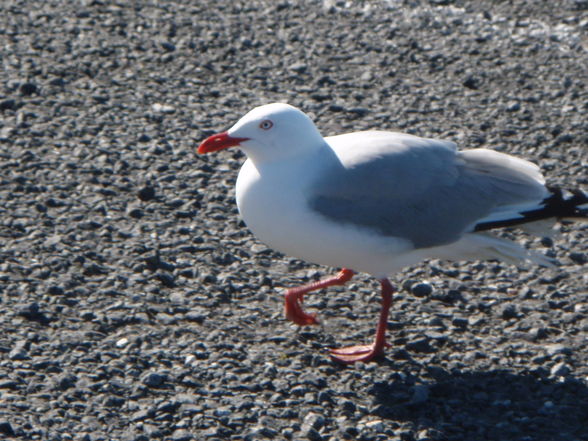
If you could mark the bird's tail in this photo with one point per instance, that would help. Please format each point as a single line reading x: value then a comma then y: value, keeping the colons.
x: 560, y: 205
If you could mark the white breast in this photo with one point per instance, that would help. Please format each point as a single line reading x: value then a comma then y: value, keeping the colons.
x: 274, y: 207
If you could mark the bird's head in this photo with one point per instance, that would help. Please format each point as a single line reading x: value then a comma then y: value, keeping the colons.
x: 267, y: 133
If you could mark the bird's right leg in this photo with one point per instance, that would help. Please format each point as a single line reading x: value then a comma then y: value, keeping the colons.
x: 295, y: 297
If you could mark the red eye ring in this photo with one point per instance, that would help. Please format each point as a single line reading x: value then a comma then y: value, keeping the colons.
x: 266, y: 124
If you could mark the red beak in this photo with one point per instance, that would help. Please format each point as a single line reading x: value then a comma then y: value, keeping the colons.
x: 218, y: 142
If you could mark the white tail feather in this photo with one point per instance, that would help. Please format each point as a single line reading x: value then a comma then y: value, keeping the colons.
x: 485, y: 246
x: 540, y: 228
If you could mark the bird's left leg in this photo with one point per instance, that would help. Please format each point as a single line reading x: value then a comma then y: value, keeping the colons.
x: 366, y: 353
x: 295, y: 297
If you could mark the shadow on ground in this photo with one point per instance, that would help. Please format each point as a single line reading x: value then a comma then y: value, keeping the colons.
x: 494, y: 405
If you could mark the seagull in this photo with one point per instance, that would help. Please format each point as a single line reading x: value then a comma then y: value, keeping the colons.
x: 376, y: 202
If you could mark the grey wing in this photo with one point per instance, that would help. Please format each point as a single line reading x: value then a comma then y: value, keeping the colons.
x: 426, y: 193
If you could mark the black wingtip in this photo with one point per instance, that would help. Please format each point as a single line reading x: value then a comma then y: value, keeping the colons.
x: 561, y: 204
x: 569, y: 203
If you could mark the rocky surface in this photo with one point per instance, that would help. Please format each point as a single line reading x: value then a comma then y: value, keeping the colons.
x: 135, y: 304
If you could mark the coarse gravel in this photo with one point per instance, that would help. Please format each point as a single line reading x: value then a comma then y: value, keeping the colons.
x: 136, y: 305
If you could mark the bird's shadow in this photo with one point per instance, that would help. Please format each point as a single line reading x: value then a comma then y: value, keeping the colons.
x: 489, y: 405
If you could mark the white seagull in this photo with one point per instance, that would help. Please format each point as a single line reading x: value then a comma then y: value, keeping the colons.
x: 378, y: 201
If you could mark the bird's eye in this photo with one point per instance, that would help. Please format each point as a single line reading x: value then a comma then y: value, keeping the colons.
x: 266, y: 124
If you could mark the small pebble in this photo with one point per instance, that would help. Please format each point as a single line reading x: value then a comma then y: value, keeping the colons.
x: 146, y: 193
x: 154, y: 379
x: 375, y: 425
x: 560, y: 369
x: 421, y: 289
x: 163, y: 108
x: 6, y: 429
x: 314, y: 420
x: 121, y: 343
x: 509, y: 312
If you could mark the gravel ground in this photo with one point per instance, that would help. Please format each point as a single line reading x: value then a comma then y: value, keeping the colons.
x: 136, y: 305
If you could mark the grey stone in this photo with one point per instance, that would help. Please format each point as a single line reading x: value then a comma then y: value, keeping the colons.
x: 421, y: 289
x: 154, y: 379
x: 560, y: 369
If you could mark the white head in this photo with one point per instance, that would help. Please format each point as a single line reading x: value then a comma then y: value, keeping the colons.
x: 268, y: 133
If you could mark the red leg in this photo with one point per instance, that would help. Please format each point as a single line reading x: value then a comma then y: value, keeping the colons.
x: 368, y: 352
x: 295, y: 297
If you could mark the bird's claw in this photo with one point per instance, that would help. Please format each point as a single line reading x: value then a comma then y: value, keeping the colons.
x: 363, y: 353
x: 293, y: 311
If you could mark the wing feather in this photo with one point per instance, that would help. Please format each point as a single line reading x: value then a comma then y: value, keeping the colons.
x: 420, y: 189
